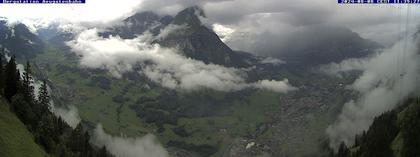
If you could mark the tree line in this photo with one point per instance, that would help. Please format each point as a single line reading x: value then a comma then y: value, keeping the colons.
x: 394, y: 133
x: 51, y: 132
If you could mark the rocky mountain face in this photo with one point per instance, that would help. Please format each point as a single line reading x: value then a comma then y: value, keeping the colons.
x: 199, y: 42
x: 19, y: 40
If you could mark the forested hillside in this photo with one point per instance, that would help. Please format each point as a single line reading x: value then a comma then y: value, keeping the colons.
x: 36, y: 124
x: 393, y: 134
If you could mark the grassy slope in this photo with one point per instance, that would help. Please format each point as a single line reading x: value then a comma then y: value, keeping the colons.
x: 15, y: 139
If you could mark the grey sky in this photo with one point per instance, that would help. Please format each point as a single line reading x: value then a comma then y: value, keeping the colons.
x: 381, y: 23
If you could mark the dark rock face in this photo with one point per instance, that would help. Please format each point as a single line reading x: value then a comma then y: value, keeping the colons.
x: 204, y: 45
x: 190, y: 16
x: 20, y: 41
x: 201, y: 43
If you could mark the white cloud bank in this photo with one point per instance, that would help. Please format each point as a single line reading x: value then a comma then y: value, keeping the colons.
x: 70, y: 115
x: 336, y: 69
x: 146, y: 146
x: 387, y: 80
x: 224, y: 32
x: 162, y: 65
x: 276, y: 86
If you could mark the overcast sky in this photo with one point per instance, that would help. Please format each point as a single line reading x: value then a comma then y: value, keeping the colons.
x: 250, y: 18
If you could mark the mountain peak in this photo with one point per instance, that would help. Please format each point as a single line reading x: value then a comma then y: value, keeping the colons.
x: 201, y: 43
x: 142, y: 17
x: 190, y: 16
x: 195, y: 9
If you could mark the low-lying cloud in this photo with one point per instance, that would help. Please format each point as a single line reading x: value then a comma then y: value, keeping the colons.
x: 273, y: 85
x: 162, y: 65
x: 224, y: 32
x: 145, y: 146
x: 70, y: 115
x: 387, y: 80
x: 274, y: 61
x: 336, y: 69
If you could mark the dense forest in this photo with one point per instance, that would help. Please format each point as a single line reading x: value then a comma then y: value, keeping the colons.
x: 49, y: 131
x: 395, y: 133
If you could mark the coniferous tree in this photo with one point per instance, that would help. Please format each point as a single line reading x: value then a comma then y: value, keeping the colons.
x: 2, y: 71
x: 410, y: 130
x: 104, y: 152
x: 28, y: 89
x: 12, y: 79
x: 380, y: 135
x: 43, y: 97
x: 23, y: 110
x: 343, y: 151
x: 87, y: 149
x: 61, y: 125
x: 1, y: 75
x: 51, y: 132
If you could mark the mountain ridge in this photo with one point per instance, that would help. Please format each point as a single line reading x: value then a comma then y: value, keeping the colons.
x: 19, y: 40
